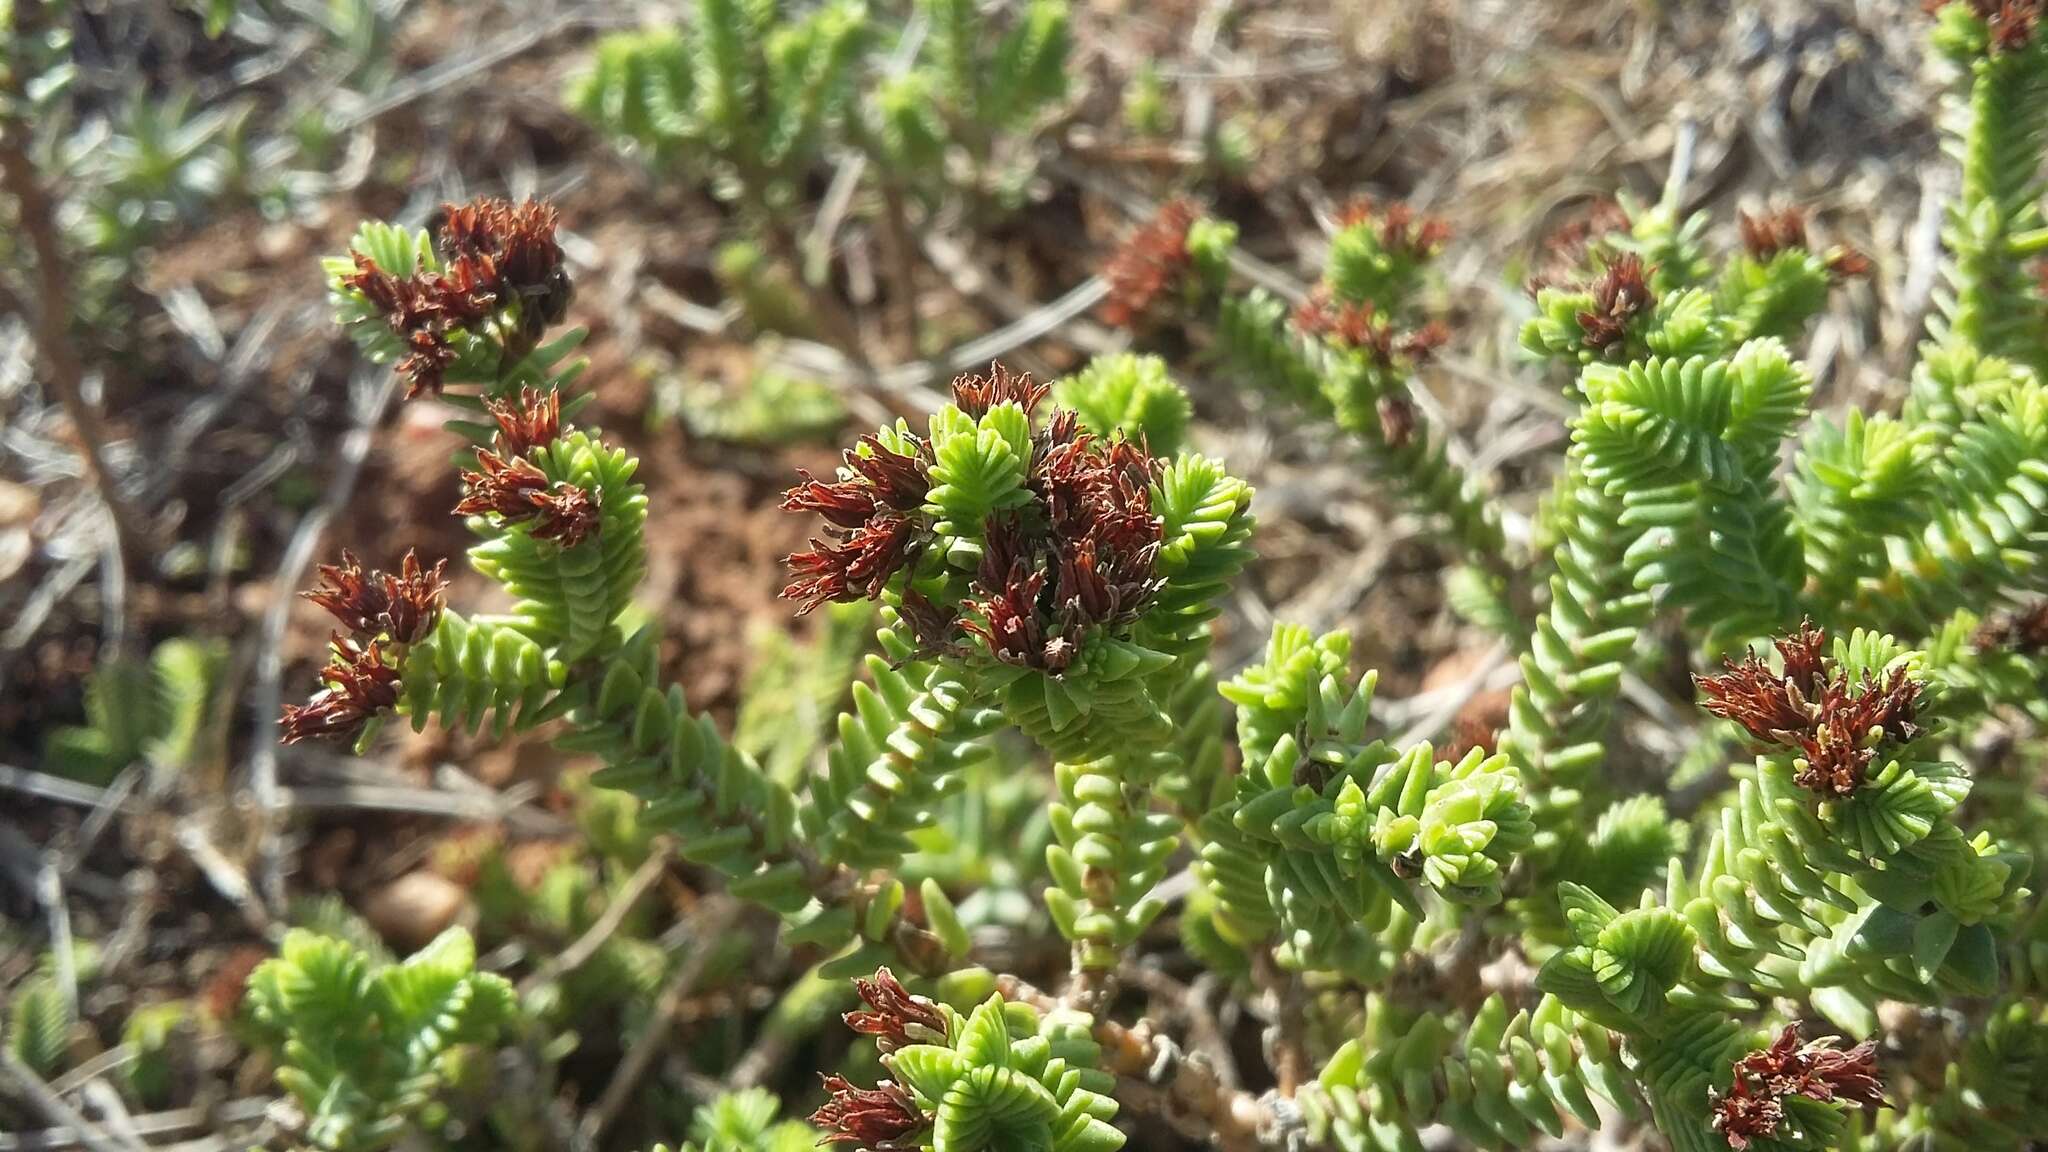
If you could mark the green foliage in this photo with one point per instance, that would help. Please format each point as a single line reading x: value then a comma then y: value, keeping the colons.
x: 745, y: 1122
x: 148, y: 1035
x: 1366, y: 393
x: 39, y: 1022
x: 913, y: 728
x: 793, y: 688
x: 1047, y: 593
x: 1010, y: 1077
x: 1132, y: 395
x: 158, y: 711
x: 1498, y: 1079
x: 747, y: 95
x: 469, y: 672
x: 568, y: 598
x: 364, y: 1047
x: 767, y: 409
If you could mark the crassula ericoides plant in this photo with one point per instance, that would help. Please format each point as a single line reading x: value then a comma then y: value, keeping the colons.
x: 1832, y: 943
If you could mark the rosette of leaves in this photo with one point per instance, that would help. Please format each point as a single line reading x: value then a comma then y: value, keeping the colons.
x: 1008, y: 1078
x: 745, y: 1121
x: 1330, y: 834
x: 1053, y: 574
x: 365, y: 1048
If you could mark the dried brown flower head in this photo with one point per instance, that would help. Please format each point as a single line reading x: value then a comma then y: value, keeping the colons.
x: 1619, y: 296
x: 866, y: 509
x: 403, y: 608
x: 884, y: 1118
x: 423, y: 308
x: 1564, y: 252
x: 1090, y: 561
x: 1401, y: 230
x: 1363, y: 327
x: 532, y: 421
x: 2023, y: 630
x: 496, y: 255
x: 511, y: 247
x: 356, y: 685
x: 520, y: 493
x: 2011, y: 23
x: 1148, y: 264
x: 894, y: 1016
x: 1766, y: 235
x: 1813, y: 708
x: 975, y: 395
x: 1753, y: 1106
x: 857, y: 567
x: 1007, y: 619
x: 1081, y: 556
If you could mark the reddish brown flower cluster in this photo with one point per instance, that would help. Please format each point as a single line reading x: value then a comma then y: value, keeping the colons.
x: 1619, y: 296
x: 511, y: 247
x: 2012, y: 23
x: 975, y: 395
x: 403, y: 608
x: 533, y: 420
x: 884, y: 1118
x: 1043, y: 581
x: 1754, y: 1104
x: 1814, y: 709
x: 1568, y: 246
x: 894, y: 1016
x: 1765, y: 236
x: 1080, y: 556
x: 520, y: 493
x: 873, y: 532
x: 2022, y: 630
x: 424, y: 309
x: 1362, y: 327
x: 1148, y: 263
x: 357, y: 684
x: 495, y: 254
x: 1402, y: 231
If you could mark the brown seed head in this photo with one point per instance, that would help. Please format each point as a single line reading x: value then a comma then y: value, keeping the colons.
x: 1401, y: 230
x: 1765, y: 236
x: 2023, y: 630
x: 532, y: 421
x: 1361, y: 326
x: 855, y: 568
x: 518, y: 492
x: 404, y: 608
x: 1619, y: 296
x: 1753, y: 1106
x: 513, y: 248
x: 1148, y: 264
x: 975, y: 395
x: 884, y: 1118
x: 357, y: 685
x: 1813, y: 708
x: 894, y: 1016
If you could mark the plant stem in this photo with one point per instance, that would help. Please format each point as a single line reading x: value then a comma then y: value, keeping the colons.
x: 895, y: 236
x: 36, y: 218
x: 831, y: 313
